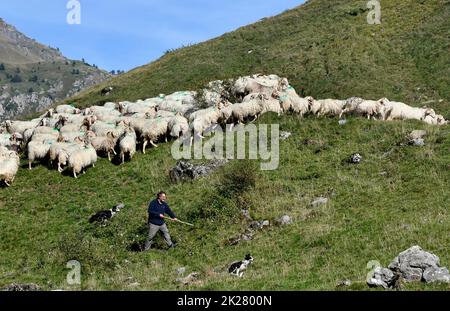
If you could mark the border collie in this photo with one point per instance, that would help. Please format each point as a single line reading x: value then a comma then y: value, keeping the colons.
x: 103, y: 216
x: 238, y: 268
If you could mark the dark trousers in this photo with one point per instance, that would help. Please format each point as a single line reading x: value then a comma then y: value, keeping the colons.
x: 153, y: 230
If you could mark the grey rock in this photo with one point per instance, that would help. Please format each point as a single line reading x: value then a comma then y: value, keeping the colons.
x: 432, y: 275
x: 285, y: 135
x: 417, y: 142
x: 382, y: 277
x: 184, y: 170
x: 319, y: 201
x: 21, y: 288
x: 412, y: 263
x: 259, y: 225
x: 285, y: 220
x: 189, y: 279
x: 181, y: 270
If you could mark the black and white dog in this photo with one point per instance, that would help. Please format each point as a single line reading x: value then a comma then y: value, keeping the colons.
x: 103, y: 216
x: 238, y: 268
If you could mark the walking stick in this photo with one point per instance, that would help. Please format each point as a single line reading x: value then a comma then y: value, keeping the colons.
x: 179, y: 221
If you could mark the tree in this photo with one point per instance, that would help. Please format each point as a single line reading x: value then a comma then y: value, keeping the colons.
x: 17, y: 70
x: 2, y: 67
x: 33, y: 78
x: 113, y: 72
x: 30, y: 90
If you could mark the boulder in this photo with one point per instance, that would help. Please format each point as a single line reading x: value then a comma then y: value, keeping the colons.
x: 284, y: 221
x: 382, y: 277
x: 412, y: 263
x: 184, y: 170
x: 433, y: 274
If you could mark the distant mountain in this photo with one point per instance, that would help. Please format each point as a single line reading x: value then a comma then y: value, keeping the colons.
x: 33, y: 76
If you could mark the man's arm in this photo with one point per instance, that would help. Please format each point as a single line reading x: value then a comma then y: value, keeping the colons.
x: 170, y: 212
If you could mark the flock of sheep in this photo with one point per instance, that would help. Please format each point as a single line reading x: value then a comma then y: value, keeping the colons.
x: 73, y: 138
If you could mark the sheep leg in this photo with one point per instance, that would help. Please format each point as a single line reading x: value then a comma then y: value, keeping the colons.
x: 75, y: 174
x: 114, y: 151
x: 123, y: 157
x: 93, y: 165
x: 256, y: 118
x: 7, y: 184
x: 109, y: 156
x: 153, y: 144
x: 144, y: 146
x: 59, y: 168
x: 29, y: 164
x: 231, y: 127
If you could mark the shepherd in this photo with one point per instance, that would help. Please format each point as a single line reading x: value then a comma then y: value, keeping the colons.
x: 157, y: 210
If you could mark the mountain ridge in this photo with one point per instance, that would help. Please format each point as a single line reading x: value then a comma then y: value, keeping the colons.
x: 33, y: 76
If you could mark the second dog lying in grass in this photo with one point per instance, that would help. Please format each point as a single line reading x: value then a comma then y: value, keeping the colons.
x: 238, y: 268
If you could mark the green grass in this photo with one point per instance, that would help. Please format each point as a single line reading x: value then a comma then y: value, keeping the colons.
x: 371, y: 217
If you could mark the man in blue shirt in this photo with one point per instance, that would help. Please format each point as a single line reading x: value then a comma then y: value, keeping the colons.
x: 156, y: 214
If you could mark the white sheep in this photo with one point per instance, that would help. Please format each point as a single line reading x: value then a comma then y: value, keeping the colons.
x: 367, y: 108
x: 67, y: 109
x: 436, y: 120
x: 61, y: 151
x: 70, y: 137
x: 165, y: 114
x: 5, y: 140
x: 291, y: 102
x: 82, y: 158
x: 250, y: 109
x: 127, y: 144
x: 401, y: 111
x: 153, y: 130
x: 38, y: 150
x: 20, y: 126
x: 110, y: 105
x: 105, y: 144
x: 9, y: 165
x: 270, y: 104
x: 331, y: 107
x: 178, y: 126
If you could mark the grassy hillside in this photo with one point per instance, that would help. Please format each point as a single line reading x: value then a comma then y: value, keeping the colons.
x: 325, y: 48
x: 396, y: 198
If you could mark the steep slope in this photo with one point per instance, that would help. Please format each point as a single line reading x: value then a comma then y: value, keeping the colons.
x: 326, y: 49
x: 33, y: 76
x: 397, y: 197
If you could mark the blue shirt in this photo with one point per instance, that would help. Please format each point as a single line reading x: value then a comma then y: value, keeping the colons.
x: 155, y: 209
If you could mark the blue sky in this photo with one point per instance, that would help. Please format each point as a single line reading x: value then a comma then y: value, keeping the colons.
x: 123, y: 34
